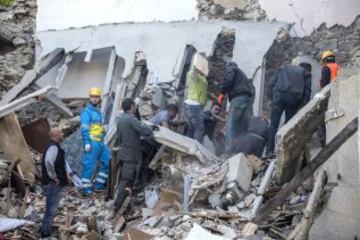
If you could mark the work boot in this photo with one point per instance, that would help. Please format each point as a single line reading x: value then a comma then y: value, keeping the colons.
x: 270, y: 154
x: 87, y: 192
x: 99, y: 186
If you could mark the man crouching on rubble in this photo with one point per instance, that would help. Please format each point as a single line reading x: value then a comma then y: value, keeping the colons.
x: 54, y: 178
x: 129, y: 132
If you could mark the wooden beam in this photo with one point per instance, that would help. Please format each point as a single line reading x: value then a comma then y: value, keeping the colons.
x: 301, y: 230
x: 309, y: 170
x: 48, y: 62
x: 13, y: 144
x: 22, y: 102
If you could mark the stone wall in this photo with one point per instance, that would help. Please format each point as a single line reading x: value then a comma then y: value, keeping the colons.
x: 231, y: 10
x: 343, y: 40
x: 16, y: 42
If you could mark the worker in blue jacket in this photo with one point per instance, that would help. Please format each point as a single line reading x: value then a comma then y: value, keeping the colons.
x: 93, y: 142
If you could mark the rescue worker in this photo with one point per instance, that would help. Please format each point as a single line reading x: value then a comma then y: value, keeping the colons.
x: 329, y: 69
x: 54, y: 178
x: 129, y: 133
x: 329, y: 73
x: 165, y: 118
x: 211, y: 119
x: 195, y: 101
x: 255, y: 140
x: 289, y: 89
x: 93, y: 142
x: 238, y: 89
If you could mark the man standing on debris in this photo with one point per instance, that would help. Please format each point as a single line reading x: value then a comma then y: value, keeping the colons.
x: 289, y: 89
x: 211, y: 118
x: 165, y: 118
x: 237, y: 86
x: 196, y: 97
x: 129, y: 132
x: 54, y: 178
x: 93, y: 141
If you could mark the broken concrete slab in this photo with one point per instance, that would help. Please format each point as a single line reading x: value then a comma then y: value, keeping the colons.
x: 239, y: 174
x: 185, y: 145
x: 292, y: 137
x: 13, y: 144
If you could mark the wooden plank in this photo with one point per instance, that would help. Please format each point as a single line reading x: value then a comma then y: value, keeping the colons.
x: 22, y: 102
x: 301, y: 230
x: 48, y: 62
x: 309, y: 170
x: 13, y: 144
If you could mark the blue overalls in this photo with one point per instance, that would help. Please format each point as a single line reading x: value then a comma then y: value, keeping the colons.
x: 93, y: 133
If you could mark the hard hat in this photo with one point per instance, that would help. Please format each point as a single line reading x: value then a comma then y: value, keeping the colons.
x: 326, y: 54
x: 95, y: 92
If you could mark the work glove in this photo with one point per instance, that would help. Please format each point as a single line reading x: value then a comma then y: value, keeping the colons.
x: 220, y: 98
x: 77, y: 181
x: 87, y: 147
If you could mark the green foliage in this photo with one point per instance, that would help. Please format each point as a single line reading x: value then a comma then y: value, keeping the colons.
x: 6, y: 3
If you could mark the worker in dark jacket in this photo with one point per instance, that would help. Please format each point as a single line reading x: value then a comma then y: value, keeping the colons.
x: 54, y: 178
x: 329, y: 73
x: 255, y: 140
x: 289, y: 89
x: 238, y: 89
x: 129, y: 132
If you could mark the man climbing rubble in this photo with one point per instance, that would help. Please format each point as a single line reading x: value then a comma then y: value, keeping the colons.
x: 55, y: 173
x: 289, y: 89
x: 256, y: 136
x: 196, y: 99
x: 129, y: 132
x: 165, y: 118
x: 93, y: 142
x: 329, y: 73
x: 238, y: 89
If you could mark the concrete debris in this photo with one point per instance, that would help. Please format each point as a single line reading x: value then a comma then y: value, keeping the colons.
x: 7, y: 224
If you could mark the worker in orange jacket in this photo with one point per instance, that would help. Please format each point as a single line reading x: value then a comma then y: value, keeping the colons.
x: 329, y: 72
x: 329, y: 69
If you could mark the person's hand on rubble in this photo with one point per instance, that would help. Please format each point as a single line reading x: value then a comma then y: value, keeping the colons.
x: 87, y: 147
x: 77, y: 181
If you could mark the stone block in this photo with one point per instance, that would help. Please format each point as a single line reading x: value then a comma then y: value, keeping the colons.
x: 201, y: 63
x: 239, y: 172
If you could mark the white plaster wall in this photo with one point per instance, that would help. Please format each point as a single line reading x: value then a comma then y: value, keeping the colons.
x: 308, y: 15
x: 62, y: 14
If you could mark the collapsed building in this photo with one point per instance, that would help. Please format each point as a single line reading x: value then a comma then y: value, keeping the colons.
x: 146, y: 61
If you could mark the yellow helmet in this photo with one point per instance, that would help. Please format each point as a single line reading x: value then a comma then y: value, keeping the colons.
x: 326, y: 54
x: 95, y: 92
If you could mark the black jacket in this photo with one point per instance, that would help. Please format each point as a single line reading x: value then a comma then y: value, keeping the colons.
x: 59, y: 166
x: 293, y: 81
x: 129, y: 132
x: 258, y: 126
x: 236, y: 83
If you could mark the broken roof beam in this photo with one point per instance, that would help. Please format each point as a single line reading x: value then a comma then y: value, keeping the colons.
x: 45, y: 64
x: 22, y: 102
x: 292, y: 137
x: 185, y: 145
x: 108, y: 80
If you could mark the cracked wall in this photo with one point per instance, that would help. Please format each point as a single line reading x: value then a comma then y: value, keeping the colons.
x: 17, y: 43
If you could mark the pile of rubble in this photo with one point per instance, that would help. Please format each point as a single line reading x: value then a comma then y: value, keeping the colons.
x: 231, y: 10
